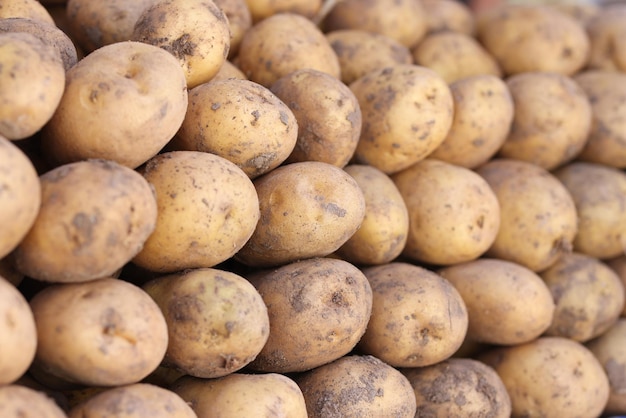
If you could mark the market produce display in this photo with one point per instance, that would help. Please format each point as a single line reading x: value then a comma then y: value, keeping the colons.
x: 296, y: 208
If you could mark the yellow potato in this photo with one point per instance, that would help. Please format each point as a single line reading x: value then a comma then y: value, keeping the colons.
x: 229, y: 70
x: 261, y: 9
x: 239, y: 18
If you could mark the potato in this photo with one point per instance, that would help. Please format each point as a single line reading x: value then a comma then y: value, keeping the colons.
x: 359, y: 386
x: 598, y: 192
x: 105, y: 332
x: 384, y: 230
x: 533, y: 37
x: 581, y: 11
x: 328, y: 115
x: 418, y: 318
x: 8, y: 271
x: 239, y: 19
x: 454, y: 216
x: 137, y: 400
x: 550, y: 377
x: 448, y: 15
x: 95, y: 216
x: 220, y: 207
x: 588, y: 294
x: 243, y: 395
x: 32, y: 80
x: 282, y: 43
x: 307, y: 209
x: 360, y: 51
x: 607, y: 37
x: 18, y: 209
x: 618, y: 265
x: 483, y: 113
x: 606, y: 91
x: 459, y: 387
x: 507, y: 303
x: 609, y: 349
x: 538, y: 217
x: 407, y: 113
x: 552, y: 119
x: 216, y: 319
x: 195, y: 32
x: 240, y: 121
x: 17, y: 401
x: 261, y: 9
x: 318, y: 310
x: 17, y: 333
x: 31, y: 9
x: 454, y: 56
x: 227, y: 71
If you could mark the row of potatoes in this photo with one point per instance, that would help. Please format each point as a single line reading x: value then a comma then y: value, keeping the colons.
x: 299, y: 208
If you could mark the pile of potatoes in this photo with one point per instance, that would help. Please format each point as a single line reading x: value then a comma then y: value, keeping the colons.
x: 307, y: 208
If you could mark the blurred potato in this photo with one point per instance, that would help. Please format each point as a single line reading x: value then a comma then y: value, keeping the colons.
x: 261, y: 9
x: 18, y: 401
x: 607, y: 37
x: 449, y: 15
x: 618, y: 264
x: 239, y: 19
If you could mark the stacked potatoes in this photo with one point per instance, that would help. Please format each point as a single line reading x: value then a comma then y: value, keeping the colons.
x: 226, y: 208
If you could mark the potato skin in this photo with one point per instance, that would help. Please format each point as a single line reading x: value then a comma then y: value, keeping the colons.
x: 618, y: 265
x: 448, y: 15
x: 607, y: 38
x: 239, y: 17
x: 31, y: 9
x: 261, y: 9
x: 17, y: 401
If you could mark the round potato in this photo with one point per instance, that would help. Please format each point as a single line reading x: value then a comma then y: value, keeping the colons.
x: 407, y: 112
x: 607, y: 37
x: 220, y: 211
x: 239, y: 17
x: 105, y: 332
x: 18, y: 401
x: 538, y: 217
x: 328, y: 115
x: 261, y: 9
x: 31, y: 9
x: 240, y: 121
x: 618, y: 265
x: 95, y: 216
x: 418, y: 318
x: 448, y: 15
x: 308, y: 209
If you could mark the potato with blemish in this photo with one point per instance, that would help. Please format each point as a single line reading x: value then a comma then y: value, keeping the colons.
x: 448, y: 15
x: 607, y: 37
x: 18, y: 401
x: 261, y: 9
x: 239, y: 18
x: 31, y: 9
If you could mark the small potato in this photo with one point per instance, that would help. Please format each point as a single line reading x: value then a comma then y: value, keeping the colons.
x: 243, y: 395
x: 454, y: 56
x: 618, y: 265
x: 195, y: 32
x: 588, y: 294
x: 261, y: 9
x: 552, y: 119
x: 448, y: 15
x: 550, y: 377
x: 240, y: 121
x: 318, y: 310
x: 458, y: 387
x: 407, y: 112
x: 17, y: 401
x: 216, y: 319
x: 418, y: 318
x: 507, y: 303
x: 239, y: 18
x: 95, y: 216
x: 31, y: 9
x: 282, y: 43
x: 607, y: 36
x: 138, y: 400
x: 538, y: 217
x: 328, y: 115
x: 483, y: 113
x: 360, y: 51
x: 599, y: 193
x: 308, y: 209
x: 454, y: 215
x: 219, y: 207
x: 104, y: 332
x: 384, y: 230
x: 32, y: 80
x: 359, y: 386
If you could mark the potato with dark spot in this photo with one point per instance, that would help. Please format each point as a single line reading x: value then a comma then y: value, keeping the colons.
x: 449, y: 15
x: 17, y: 401
x: 217, y: 321
x: 31, y: 9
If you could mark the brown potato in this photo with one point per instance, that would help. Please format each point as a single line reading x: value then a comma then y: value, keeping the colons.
x: 448, y: 15
x: 618, y: 265
x: 418, y: 318
x: 104, y: 332
x: 261, y: 9
x: 239, y: 19
x: 18, y: 401
x: 31, y: 9
x: 95, y: 216
x: 607, y: 37
x: 329, y: 298
x: 328, y: 115
x: 217, y: 321
x: 8, y: 271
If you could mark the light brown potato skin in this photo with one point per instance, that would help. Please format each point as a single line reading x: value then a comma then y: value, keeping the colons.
x: 261, y: 9
x: 618, y: 264
x: 17, y: 401
x: 448, y: 15
x: 598, y: 192
x: 239, y: 19
x: 538, y: 217
x: 507, y: 303
x: 105, y: 332
x: 454, y: 215
x: 552, y: 119
x: 270, y: 395
x: 357, y: 385
x: 217, y: 321
x: 95, y: 216
x: 418, y: 318
x: 308, y: 209
x: 459, y: 387
x: 551, y: 377
x: 607, y: 37
x: 229, y: 70
x: 136, y: 400
x: 318, y: 310
x: 483, y: 113
x: 327, y: 113
x: 31, y: 9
